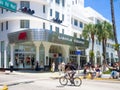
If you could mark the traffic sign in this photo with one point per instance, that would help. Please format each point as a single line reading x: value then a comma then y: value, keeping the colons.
x: 8, y: 5
x: 78, y: 52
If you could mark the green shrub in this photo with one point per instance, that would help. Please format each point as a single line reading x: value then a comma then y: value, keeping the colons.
x: 107, y: 72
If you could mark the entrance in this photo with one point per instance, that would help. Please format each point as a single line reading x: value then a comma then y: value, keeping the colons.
x: 55, y: 55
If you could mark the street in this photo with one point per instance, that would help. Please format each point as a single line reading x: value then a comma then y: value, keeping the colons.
x: 54, y: 85
x: 37, y: 82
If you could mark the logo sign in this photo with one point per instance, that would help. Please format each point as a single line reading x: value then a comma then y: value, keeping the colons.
x: 78, y: 52
x: 8, y: 5
x: 22, y: 36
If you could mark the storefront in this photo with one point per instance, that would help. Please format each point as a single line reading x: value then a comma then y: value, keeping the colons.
x: 43, y: 46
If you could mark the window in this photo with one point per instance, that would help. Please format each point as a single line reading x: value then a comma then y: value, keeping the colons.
x: 2, y: 10
x: 62, y: 17
x: 71, y: 20
x: 43, y: 8
x: 76, y: 1
x: 50, y: 12
x: 80, y: 36
x: 75, y: 35
x: 43, y: 25
x: 57, y: 29
x: 57, y: 1
x: 50, y: 27
x: 57, y: 14
x: 6, y: 10
x: 24, y: 23
x: 75, y: 22
x: 62, y: 31
x: 81, y: 25
x: 2, y: 53
x: 63, y: 3
x: 24, y: 4
x: 1, y: 26
x: 6, y: 25
x: 72, y: 2
x: 97, y: 21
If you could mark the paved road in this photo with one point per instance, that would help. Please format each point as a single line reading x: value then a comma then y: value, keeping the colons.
x: 50, y: 84
x: 42, y: 81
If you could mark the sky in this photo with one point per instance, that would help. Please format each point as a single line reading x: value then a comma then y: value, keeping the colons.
x: 103, y: 7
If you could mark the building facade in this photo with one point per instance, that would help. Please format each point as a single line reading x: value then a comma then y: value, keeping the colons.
x: 47, y: 31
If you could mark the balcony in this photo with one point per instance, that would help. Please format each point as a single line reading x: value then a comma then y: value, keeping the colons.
x: 16, y: 16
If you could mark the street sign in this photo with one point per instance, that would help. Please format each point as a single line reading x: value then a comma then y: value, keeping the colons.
x: 8, y: 5
x: 78, y: 52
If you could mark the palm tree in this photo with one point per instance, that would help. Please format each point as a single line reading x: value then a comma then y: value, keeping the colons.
x: 114, y: 26
x: 104, y: 31
x: 89, y: 31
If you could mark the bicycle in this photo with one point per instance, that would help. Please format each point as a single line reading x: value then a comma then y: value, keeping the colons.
x: 76, y: 81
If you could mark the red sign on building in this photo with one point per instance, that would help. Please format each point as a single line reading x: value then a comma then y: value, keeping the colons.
x: 22, y: 36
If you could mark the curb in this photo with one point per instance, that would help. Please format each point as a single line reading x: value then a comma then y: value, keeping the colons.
x: 92, y: 79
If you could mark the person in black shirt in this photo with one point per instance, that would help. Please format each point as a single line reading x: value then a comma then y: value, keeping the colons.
x: 70, y: 69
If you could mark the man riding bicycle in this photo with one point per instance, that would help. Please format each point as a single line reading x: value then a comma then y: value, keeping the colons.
x: 70, y: 70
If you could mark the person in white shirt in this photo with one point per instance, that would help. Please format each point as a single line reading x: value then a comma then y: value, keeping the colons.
x: 11, y: 66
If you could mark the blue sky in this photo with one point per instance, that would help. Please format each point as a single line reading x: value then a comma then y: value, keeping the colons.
x: 103, y: 7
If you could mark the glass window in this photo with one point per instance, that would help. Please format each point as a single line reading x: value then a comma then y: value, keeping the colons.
x: 75, y: 22
x: 43, y: 8
x: 80, y: 36
x: 43, y: 25
x: 71, y: 20
x: 57, y: 14
x: 97, y: 21
x: 81, y: 25
x: 76, y: 1
x: 57, y: 1
x: 57, y: 29
x: 62, y: 17
x: 24, y: 23
x: 42, y: 54
x: 75, y: 35
x: 63, y: 3
x: 1, y: 26
x: 72, y: 2
x: 50, y: 27
x: 2, y: 53
x: 50, y: 12
x: 62, y: 31
x: 6, y: 25
x: 25, y: 4
x: 2, y: 10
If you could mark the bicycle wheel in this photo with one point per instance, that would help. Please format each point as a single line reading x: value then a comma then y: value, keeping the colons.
x: 63, y: 81
x: 77, y: 81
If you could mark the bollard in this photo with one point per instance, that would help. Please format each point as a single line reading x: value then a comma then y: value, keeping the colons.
x: 89, y: 76
x: 5, y: 87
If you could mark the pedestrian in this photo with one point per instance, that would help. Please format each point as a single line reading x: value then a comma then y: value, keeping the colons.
x: 60, y: 68
x: 11, y: 66
x: 16, y: 61
x: 32, y: 61
x: 53, y: 67
x: 63, y: 66
x: 37, y: 66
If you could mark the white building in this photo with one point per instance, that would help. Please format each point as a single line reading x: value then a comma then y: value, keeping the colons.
x: 51, y: 32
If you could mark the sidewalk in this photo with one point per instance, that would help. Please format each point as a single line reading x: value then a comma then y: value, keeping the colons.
x: 52, y: 75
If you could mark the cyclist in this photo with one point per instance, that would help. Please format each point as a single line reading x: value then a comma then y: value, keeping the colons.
x: 70, y: 70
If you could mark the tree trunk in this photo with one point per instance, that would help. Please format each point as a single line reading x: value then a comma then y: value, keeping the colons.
x: 103, y: 46
x: 92, y: 61
x: 114, y: 27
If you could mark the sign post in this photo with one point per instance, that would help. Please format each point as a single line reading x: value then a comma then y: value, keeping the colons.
x: 6, y: 4
x: 78, y: 52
